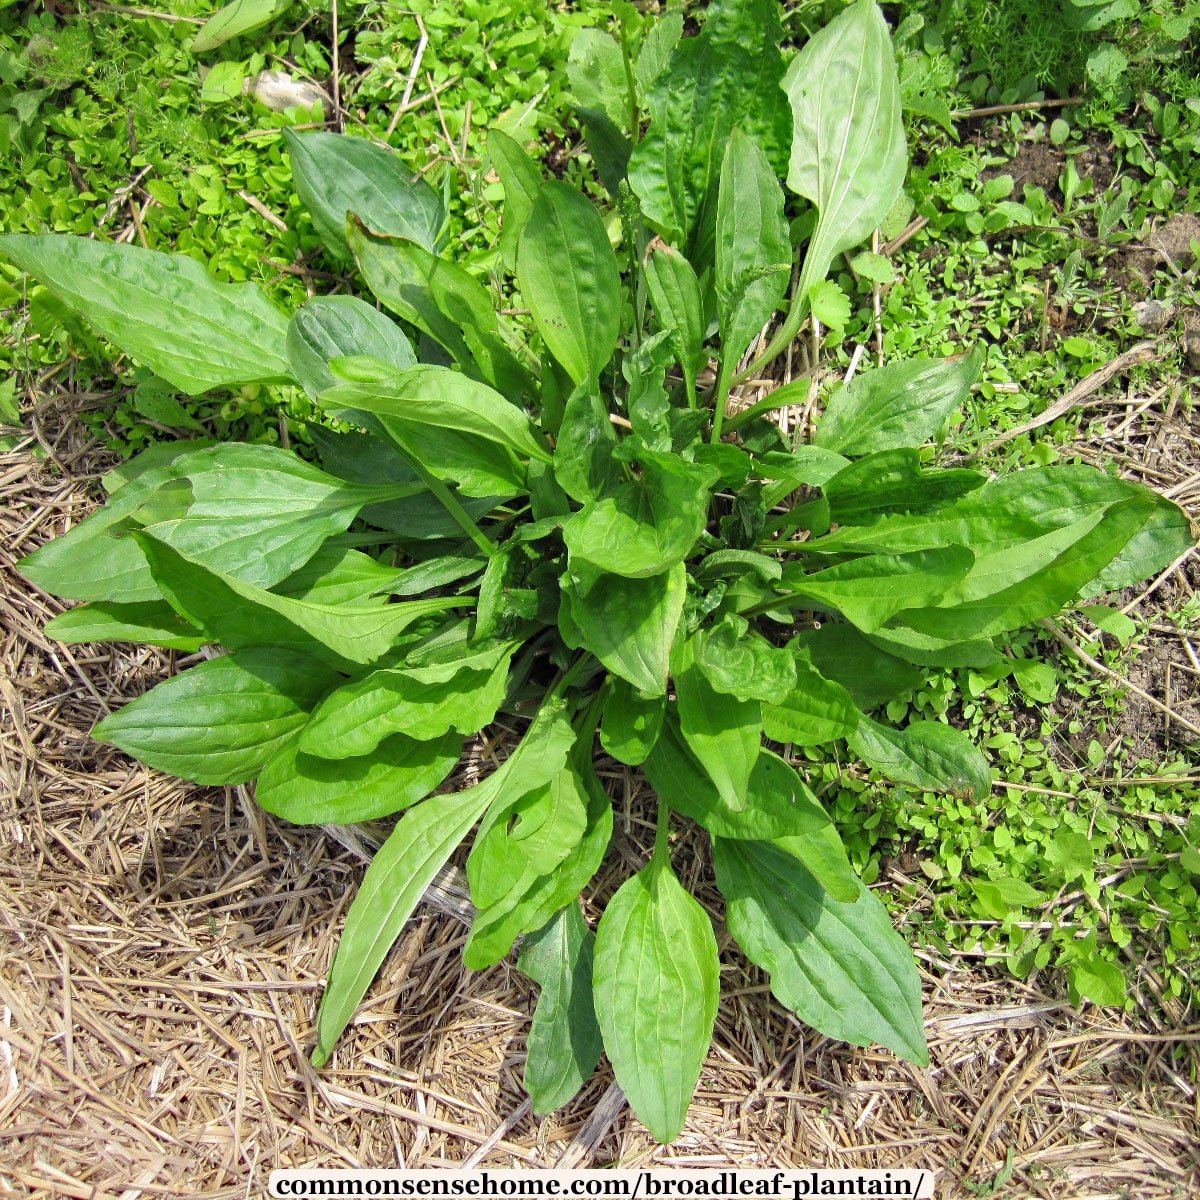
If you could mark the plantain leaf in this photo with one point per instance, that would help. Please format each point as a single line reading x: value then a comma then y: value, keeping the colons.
x: 522, y: 181
x: 656, y: 984
x: 926, y: 755
x: 568, y: 274
x: 813, y: 712
x: 337, y: 174
x: 893, y: 481
x: 564, y: 1043
x: 165, y: 310
x: 848, y: 153
x: 678, y: 307
x: 219, y: 722
x: 631, y: 723
x: 235, y: 19
x: 150, y: 623
x: 417, y: 848
x: 839, y: 967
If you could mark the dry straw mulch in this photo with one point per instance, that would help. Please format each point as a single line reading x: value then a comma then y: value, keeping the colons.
x: 162, y: 948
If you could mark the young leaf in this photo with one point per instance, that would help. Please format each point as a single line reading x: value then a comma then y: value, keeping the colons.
x: 568, y: 274
x: 841, y: 968
x: 239, y: 615
x: 165, y: 310
x: 848, y: 153
x: 656, y: 985
x: 150, y: 623
x: 647, y: 525
x: 522, y: 181
x: 729, y: 76
x: 744, y: 664
x: 307, y: 790
x: 679, y: 308
x: 337, y: 174
x: 926, y: 755
x: 815, y: 711
x: 631, y: 723
x: 722, y: 731
x: 329, y: 327
x: 754, y: 250
x: 219, y: 722
x: 443, y: 301
x: 583, y: 456
x: 656, y: 49
x: 903, y: 404
x: 564, y: 1042
x: 235, y: 19
x: 438, y: 396
x: 628, y: 624
x: 419, y: 846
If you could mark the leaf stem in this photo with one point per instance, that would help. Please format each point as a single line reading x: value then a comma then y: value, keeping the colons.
x: 662, y: 854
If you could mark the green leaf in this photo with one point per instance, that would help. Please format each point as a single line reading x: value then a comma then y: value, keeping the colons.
x: 999, y: 897
x: 824, y: 857
x: 419, y: 846
x: 235, y: 19
x: 744, y: 664
x: 869, y: 674
x: 656, y: 986
x: 338, y: 574
x: 568, y: 274
x: 830, y: 305
x: 813, y: 712
x: 219, y: 722
x: 1092, y: 977
x: 869, y: 591
x: 337, y: 174
x: 150, y: 623
x: 255, y: 512
x: 722, y: 731
x: 890, y: 482
x: 307, y: 790
x: 1167, y: 535
x: 1011, y: 587
x: 657, y: 47
x: 628, y: 624
x: 564, y: 1042
x: 420, y: 702
x: 778, y: 803
x: 903, y: 404
x: 631, y: 723
x: 530, y: 899
x: 443, y: 398
x: 583, y: 456
x: 647, y: 525
x: 754, y: 250
x: 239, y: 615
x: 729, y: 76
x: 596, y: 73
x: 442, y: 300
x: 678, y: 307
x: 164, y: 310
x: 848, y: 153
x: 522, y: 181
x: 329, y: 327
x: 841, y: 968
x: 926, y: 755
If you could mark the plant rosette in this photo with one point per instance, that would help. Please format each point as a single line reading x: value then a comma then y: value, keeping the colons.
x: 563, y: 523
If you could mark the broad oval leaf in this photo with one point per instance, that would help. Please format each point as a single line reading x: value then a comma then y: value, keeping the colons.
x: 848, y: 152
x: 841, y: 968
x: 522, y: 181
x: 656, y: 986
x: 926, y: 755
x: 891, y: 482
x: 438, y: 396
x: 165, y: 310
x: 329, y: 327
x: 583, y: 454
x: 871, y: 676
x: 235, y: 19
x: 814, y: 712
x: 219, y: 722
x: 568, y: 274
x: 631, y: 723
x: 337, y: 174
x: 902, y: 404
x: 307, y: 790
x: 564, y: 1042
x: 744, y: 664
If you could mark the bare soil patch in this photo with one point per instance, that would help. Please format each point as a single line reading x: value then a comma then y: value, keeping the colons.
x: 162, y: 948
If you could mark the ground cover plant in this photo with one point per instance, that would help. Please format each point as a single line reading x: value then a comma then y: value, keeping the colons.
x: 572, y: 523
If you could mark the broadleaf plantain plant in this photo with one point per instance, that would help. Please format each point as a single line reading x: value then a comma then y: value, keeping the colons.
x: 568, y: 525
